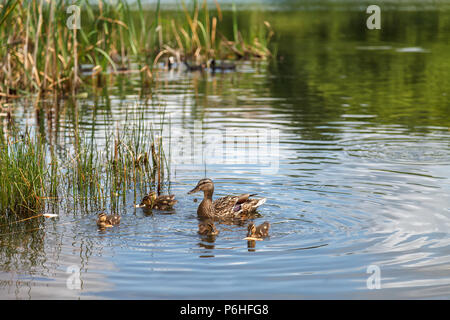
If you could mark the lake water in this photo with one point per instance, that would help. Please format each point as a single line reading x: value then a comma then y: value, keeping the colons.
x: 354, y: 163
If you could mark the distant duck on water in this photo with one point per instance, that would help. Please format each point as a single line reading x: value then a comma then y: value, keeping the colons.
x: 221, y: 67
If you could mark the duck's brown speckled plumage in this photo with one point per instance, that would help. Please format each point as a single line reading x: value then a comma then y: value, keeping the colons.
x: 228, y: 207
x: 162, y: 202
x: 106, y: 221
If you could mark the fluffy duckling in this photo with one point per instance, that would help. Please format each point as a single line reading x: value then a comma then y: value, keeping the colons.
x: 207, y: 228
x: 154, y: 201
x: 258, y: 232
x: 107, y: 221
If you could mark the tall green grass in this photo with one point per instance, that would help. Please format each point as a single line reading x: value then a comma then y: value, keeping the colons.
x: 40, y: 53
x: 87, y: 175
x: 23, y: 173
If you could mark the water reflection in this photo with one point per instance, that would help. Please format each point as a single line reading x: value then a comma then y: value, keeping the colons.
x: 251, y: 244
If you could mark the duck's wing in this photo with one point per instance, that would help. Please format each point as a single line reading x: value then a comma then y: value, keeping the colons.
x: 225, y: 205
x: 244, y: 197
x: 145, y: 200
x: 235, y: 206
x: 252, y: 204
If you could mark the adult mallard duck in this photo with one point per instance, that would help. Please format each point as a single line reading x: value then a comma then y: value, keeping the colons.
x: 154, y: 201
x: 207, y: 228
x: 228, y: 207
x: 107, y: 221
x: 257, y: 232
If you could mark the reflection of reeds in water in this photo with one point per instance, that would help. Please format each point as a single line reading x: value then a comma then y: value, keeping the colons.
x: 41, y: 53
x: 86, y: 175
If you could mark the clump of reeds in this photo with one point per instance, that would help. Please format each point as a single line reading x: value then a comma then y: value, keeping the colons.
x: 88, y: 175
x: 23, y: 173
x: 199, y: 37
x: 41, y: 53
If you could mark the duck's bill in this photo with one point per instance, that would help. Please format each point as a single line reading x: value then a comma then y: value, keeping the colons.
x: 196, y: 189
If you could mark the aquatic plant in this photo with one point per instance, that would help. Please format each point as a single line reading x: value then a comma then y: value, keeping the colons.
x: 85, y: 175
x: 44, y: 52
x: 23, y: 170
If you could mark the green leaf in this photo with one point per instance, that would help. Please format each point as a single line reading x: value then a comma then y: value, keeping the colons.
x: 107, y: 58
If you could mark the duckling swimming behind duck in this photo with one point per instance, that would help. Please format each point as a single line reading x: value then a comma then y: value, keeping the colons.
x: 259, y: 232
x: 153, y: 201
x: 107, y: 221
x: 207, y: 228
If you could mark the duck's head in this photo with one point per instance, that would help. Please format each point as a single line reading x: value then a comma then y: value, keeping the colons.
x: 205, y: 185
x: 258, y: 232
x: 102, y: 221
x: 149, y: 199
x: 101, y: 218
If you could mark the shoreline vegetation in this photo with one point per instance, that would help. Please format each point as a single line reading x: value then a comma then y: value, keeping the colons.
x: 44, y: 53
x: 43, y: 59
x: 36, y: 175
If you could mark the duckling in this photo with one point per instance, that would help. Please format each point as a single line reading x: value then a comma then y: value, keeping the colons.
x: 226, y: 207
x: 107, y: 221
x: 222, y: 67
x: 207, y: 228
x: 259, y: 232
x: 153, y: 201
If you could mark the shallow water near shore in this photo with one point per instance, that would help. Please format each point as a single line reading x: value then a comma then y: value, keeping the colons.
x: 357, y: 174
